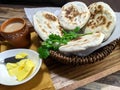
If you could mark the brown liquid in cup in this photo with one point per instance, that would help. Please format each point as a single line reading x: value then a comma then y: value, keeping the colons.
x: 13, y: 27
x: 16, y: 32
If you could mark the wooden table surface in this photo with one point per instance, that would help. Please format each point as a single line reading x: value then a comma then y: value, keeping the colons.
x: 86, y: 77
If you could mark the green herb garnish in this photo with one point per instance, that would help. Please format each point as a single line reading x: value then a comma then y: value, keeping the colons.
x: 55, y: 41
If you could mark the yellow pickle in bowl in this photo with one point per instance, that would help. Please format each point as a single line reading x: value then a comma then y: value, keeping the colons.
x: 21, y: 69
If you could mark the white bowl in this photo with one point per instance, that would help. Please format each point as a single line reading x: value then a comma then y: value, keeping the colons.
x: 5, y: 78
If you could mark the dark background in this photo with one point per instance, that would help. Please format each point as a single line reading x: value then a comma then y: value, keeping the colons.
x: 35, y: 2
x: 58, y: 3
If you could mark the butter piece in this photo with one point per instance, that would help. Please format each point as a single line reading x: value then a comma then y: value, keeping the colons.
x: 11, y: 68
x: 21, y: 55
x: 20, y: 69
x: 11, y: 65
x: 24, y: 70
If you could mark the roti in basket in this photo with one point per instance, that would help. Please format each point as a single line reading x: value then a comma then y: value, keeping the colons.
x: 99, y: 19
x: 83, y: 42
x: 74, y: 14
x: 46, y: 23
x: 102, y: 19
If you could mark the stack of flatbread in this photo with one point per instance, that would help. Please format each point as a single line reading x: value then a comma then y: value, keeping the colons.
x: 98, y: 19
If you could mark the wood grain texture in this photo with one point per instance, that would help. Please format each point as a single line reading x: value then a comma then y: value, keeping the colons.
x: 67, y: 77
x: 98, y: 86
x: 11, y: 12
x: 70, y: 77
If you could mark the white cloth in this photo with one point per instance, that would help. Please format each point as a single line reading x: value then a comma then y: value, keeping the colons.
x: 115, y: 35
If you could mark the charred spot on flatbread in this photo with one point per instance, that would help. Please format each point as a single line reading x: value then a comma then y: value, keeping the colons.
x: 102, y: 19
x: 50, y: 17
x: 108, y: 24
x: 73, y: 14
x: 46, y: 23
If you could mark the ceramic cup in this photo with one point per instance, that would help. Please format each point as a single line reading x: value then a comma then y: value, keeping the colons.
x: 16, y: 32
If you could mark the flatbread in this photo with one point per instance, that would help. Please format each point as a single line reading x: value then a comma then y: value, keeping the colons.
x: 46, y: 23
x: 74, y: 14
x: 83, y: 43
x: 102, y: 19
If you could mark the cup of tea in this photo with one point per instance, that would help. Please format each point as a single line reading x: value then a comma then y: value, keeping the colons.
x: 16, y: 32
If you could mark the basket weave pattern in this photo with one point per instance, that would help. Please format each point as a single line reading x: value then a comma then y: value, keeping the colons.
x: 97, y: 55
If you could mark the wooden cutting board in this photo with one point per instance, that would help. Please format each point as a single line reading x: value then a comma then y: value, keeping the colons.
x: 67, y: 77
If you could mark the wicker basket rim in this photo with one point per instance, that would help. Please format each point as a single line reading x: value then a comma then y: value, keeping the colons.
x: 97, y: 55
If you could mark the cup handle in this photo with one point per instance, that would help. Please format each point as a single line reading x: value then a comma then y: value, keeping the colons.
x: 31, y: 28
x: 1, y: 37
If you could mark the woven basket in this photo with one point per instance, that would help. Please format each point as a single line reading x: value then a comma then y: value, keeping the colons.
x: 97, y: 55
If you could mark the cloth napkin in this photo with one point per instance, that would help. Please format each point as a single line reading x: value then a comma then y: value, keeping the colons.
x: 41, y: 81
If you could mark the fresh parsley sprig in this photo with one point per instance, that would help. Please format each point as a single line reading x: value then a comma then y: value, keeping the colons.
x: 55, y: 41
